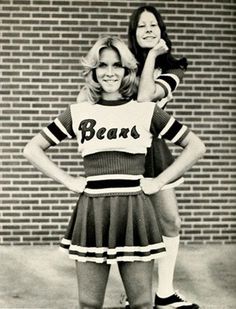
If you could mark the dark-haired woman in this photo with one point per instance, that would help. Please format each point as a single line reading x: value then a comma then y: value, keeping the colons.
x: 159, y: 73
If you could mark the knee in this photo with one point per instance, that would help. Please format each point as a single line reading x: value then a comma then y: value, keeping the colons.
x: 171, y: 225
x: 88, y: 303
x: 177, y: 223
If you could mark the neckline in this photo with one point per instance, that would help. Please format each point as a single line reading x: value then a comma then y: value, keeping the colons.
x: 113, y: 102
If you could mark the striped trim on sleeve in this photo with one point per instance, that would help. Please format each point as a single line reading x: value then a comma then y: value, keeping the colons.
x: 177, y: 72
x: 165, y: 126
x: 59, y: 129
x: 169, y: 81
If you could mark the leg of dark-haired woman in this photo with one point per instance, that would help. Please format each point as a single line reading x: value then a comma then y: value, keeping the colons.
x: 166, y: 208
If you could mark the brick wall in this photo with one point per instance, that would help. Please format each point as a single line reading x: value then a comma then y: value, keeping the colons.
x: 41, y: 45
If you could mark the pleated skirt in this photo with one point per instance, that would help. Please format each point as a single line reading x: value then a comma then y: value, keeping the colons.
x: 113, y: 228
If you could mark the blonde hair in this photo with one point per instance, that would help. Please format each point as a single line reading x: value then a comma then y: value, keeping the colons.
x: 91, y: 61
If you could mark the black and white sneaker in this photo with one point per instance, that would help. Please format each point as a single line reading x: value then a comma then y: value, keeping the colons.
x: 127, y: 306
x: 173, y: 301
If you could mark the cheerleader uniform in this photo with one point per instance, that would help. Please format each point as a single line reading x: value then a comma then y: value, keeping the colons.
x: 158, y: 156
x: 113, y: 219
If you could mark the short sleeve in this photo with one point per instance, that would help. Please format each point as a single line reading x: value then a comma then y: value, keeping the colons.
x: 169, y: 81
x: 59, y: 129
x: 166, y: 126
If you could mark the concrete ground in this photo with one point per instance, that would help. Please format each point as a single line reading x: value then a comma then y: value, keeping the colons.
x: 43, y: 277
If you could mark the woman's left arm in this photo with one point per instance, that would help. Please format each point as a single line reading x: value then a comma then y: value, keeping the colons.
x: 193, y: 150
x: 166, y: 126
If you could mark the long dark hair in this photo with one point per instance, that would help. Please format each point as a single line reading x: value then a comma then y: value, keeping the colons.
x: 166, y: 61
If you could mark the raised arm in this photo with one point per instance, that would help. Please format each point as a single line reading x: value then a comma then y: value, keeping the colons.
x: 148, y: 90
x: 153, y: 88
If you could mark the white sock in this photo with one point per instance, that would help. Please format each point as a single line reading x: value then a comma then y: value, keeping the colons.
x: 166, y: 267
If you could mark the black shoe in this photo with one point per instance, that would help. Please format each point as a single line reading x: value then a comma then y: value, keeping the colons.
x: 174, y: 301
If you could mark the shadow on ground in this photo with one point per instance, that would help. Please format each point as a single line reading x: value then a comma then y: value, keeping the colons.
x: 43, y: 277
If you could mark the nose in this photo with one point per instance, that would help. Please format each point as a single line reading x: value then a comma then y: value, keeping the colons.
x: 110, y: 70
x: 148, y: 28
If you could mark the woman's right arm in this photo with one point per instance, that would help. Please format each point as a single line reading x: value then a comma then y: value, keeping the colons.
x: 35, y: 152
x: 160, y: 88
x: 148, y: 90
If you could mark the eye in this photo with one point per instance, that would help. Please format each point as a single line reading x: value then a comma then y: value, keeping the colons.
x: 101, y: 65
x: 117, y: 65
x: 141, y: 25
x: 154, y: 25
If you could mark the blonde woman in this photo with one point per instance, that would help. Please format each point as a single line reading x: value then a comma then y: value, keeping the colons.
x: 114, y: 220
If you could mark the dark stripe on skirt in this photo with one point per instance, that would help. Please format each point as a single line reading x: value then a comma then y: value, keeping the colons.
x: 118, y: 254
x: 113, y: 228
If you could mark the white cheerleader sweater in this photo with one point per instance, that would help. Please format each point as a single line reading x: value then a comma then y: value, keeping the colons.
x: 114, y: 131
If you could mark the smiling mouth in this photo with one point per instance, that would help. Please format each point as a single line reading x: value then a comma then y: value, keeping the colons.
x: 110, y: 81
x: 149, y: 37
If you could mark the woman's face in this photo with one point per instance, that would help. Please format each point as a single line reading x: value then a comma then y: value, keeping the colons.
x: 110, y: 73
x: 148, y: 33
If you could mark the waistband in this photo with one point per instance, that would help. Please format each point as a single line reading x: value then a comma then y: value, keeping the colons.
x: 117, y: 183
x: 120, y: 184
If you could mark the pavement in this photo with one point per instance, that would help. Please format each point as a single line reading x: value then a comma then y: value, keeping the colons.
x: 43, y: 277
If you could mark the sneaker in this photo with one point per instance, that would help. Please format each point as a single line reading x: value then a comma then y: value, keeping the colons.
x: 173, y: 301
x: 127, y: 306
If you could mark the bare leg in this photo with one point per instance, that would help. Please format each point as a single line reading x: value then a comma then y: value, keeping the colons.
x: 166, y: 208
x: 92, y: 280
x: 137, y: 280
